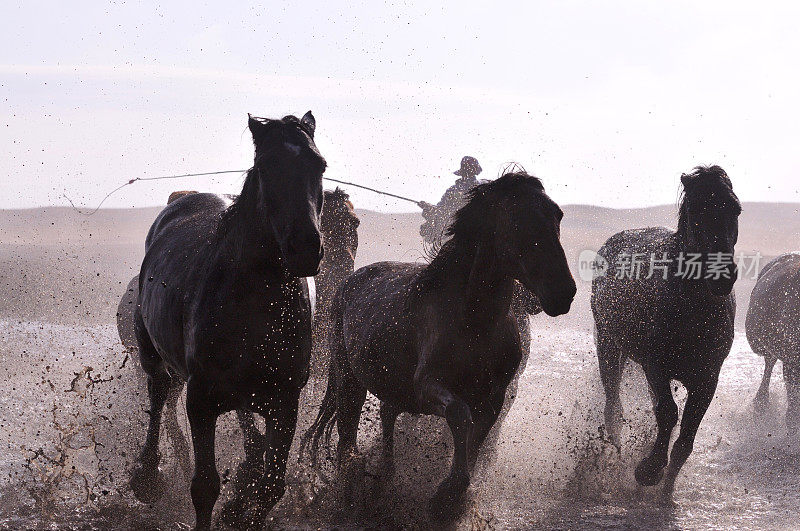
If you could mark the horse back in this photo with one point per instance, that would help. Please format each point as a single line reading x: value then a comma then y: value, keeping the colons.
x: 773, y: 317
x: 671, y: 317
x: 375, y: 326
x: 189, y: 215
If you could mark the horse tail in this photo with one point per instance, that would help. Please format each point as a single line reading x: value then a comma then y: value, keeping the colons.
x: 322, y: 427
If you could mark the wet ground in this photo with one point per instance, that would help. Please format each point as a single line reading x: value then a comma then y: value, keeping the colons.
x: 73, y: 414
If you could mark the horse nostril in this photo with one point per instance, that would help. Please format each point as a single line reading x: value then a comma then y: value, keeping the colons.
x: 308, y: 243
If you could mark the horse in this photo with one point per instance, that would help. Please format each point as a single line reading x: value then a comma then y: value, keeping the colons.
x: 773, y: 330
x: 523, y: 304
x: 223, y: 308
x: 675, y: 319
x: 440, y: 339
x: 339, y: 226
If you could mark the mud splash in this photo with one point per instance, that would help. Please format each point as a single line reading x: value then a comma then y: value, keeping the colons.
x: 73, y: 415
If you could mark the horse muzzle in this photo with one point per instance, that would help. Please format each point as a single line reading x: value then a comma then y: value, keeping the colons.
x: 723, y: 285
x: 304, y: 255
x: 559, y: 302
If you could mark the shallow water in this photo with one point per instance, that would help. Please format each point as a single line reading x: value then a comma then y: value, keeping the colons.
x: 69, y: 433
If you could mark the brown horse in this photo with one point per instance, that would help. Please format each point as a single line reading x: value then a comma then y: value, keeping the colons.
x: 339, y: 227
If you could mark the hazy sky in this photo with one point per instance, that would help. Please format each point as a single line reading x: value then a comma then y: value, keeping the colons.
x: 608, y: 102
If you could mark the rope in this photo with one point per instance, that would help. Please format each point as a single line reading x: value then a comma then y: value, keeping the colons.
x: 418, y: 203
x: 120, y: 187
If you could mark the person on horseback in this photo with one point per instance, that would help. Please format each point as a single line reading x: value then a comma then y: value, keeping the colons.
x: 438, y: 216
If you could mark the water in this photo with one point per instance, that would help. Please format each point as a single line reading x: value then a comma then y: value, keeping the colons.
x: 73, y: 413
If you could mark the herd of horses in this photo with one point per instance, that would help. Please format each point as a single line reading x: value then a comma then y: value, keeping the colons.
x: 222, y: 306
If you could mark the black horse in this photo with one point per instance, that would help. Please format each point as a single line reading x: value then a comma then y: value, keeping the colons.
x: 222, y: 306
x: 773, y: 330
x: 666, y: 302
x: 440, y: 339
x: 338, y: 225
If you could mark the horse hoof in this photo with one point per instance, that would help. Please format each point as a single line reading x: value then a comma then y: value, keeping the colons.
x: 231, y: 512
x: 444, y: 503
x: 238, y: 514
x: 148, y: 485
x: 648, y: 474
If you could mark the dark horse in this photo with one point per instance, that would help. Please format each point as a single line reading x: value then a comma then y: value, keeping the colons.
x: 338, y: 224
x: 440, y: 339
x: 222, y: 306
x: 672, y: 318
x: 773, y: 329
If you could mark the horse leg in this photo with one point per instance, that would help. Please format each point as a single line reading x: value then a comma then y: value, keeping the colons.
x: 389, y: 415
x: 349, y: 401
x: 696, y: 406
x: 435, y: 399
x: 249, y: 471
x: 146, y: 480
x: 486, y: 419
x: 651, y: 469
x: 174, y: 432
x: 791, y: 378
x: 281, y: 421
x: 611, y: 364
x: 762, y: 396
x: 491, y: 441
x: 205, y: 483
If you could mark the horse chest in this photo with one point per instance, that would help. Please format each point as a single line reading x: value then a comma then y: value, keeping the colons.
x: 252, y: 337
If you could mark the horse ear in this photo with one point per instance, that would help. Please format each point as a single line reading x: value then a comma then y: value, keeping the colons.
x: 309, y: 123
x: 256, y: 127
x: 684, y: 179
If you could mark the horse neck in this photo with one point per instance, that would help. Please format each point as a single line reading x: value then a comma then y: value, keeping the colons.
x: 246, y: 239
x: 472, y: 271
x: 333, y: 270
x: 691, y: 290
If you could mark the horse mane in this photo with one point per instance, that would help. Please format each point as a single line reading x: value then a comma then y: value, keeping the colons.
x: 241, y: 204
x: 469, y: 222
x: 700, y: 181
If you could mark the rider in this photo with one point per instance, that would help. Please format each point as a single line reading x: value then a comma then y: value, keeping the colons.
x: 438, y: 217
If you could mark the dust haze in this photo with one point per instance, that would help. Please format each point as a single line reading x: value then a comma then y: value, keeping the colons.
x: 73, y: 406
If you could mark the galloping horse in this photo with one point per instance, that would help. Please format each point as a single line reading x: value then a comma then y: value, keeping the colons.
x: 440, y: 339
x: 338, y: 224
x: 773, y: 329
x: 674, y: 318
x: 222, y: 306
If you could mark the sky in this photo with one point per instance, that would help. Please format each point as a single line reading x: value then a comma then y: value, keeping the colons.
x: 608, y: 102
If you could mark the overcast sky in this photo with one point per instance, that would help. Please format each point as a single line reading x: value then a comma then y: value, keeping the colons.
x: 608, y: 102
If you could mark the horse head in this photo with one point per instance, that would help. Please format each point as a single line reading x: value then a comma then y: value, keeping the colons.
x: 339, y: 226
x: 709, y: 224
x: 289, y: 170
x: 524, y: 224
